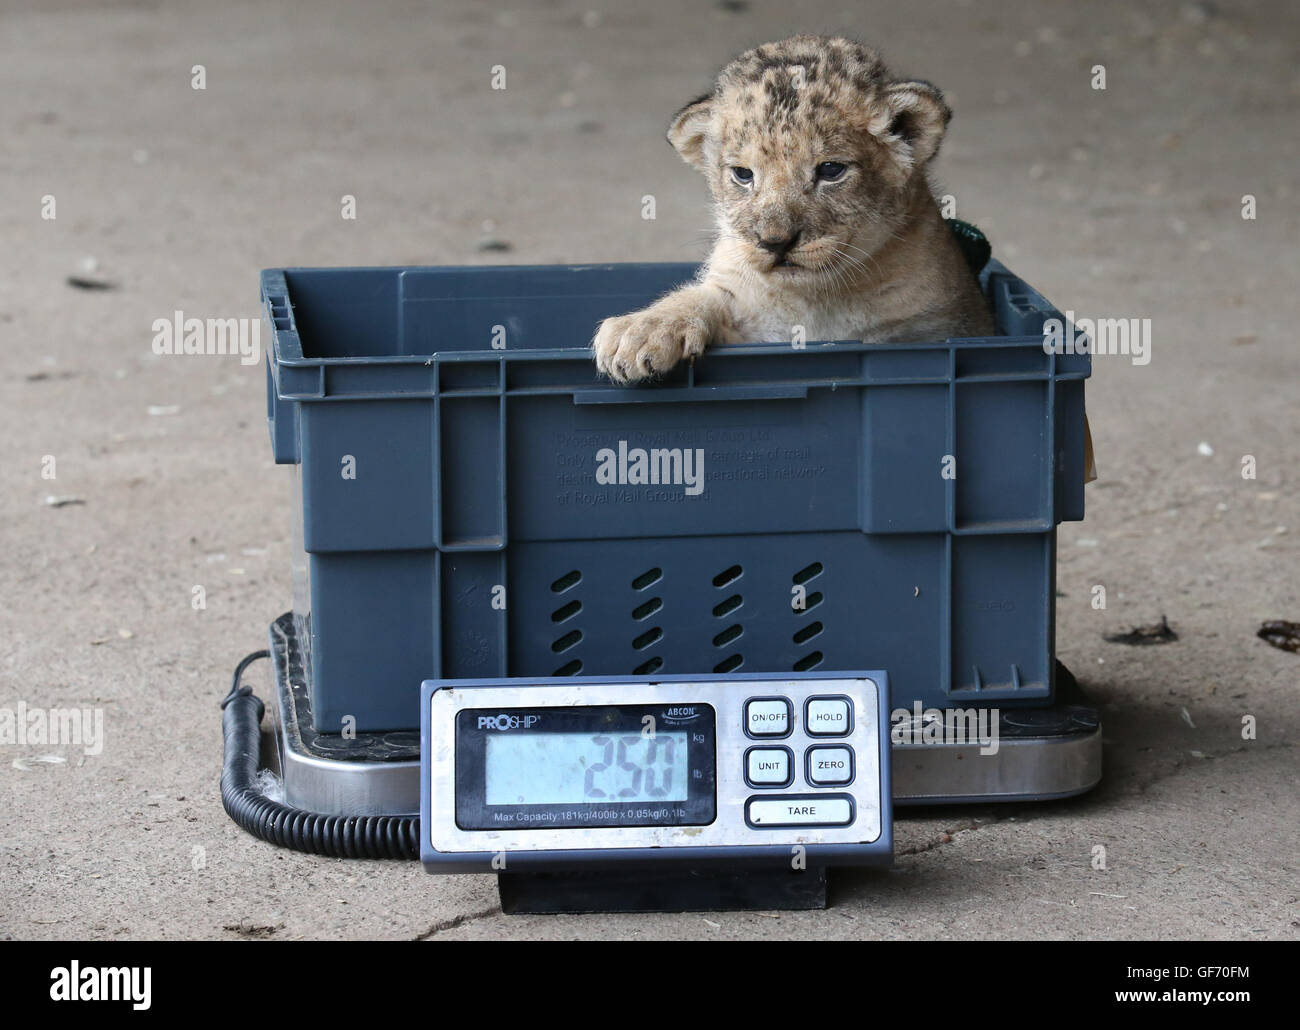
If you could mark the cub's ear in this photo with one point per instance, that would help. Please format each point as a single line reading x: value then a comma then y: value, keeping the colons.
x: 911, y: 118
x: 690, y: 127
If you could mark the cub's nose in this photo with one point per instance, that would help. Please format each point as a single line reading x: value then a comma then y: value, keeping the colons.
x: 780, y: 246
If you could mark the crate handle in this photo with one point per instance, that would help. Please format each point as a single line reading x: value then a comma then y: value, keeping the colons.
x: 722, y: 392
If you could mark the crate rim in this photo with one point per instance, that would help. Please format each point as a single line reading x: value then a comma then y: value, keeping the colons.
x: 287, y: 345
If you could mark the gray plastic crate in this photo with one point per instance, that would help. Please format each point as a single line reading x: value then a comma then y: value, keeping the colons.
x: 475, y: 471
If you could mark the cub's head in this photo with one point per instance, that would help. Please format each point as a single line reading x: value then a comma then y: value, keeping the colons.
x: 812, y: 152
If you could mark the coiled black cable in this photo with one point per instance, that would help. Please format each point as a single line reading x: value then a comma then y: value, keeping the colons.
x: 338, y: 836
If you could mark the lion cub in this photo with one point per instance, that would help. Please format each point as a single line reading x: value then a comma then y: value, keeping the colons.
x: 816, y: 158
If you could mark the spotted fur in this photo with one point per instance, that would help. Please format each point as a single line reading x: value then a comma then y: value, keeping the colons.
x: 866, y: 257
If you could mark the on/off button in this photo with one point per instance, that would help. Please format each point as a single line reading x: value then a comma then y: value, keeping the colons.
x: 767, y: 717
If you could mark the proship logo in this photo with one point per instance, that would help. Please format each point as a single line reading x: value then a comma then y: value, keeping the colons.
x: 508, y: 722
x: 103, y: 983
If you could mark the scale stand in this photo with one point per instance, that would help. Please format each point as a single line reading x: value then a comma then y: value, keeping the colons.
x: 623, y: 891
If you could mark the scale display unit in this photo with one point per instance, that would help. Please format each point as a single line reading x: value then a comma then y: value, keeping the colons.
x: 735, y: 791
x: 540, y: 775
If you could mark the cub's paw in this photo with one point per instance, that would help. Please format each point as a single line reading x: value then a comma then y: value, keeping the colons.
x: 647, y: 343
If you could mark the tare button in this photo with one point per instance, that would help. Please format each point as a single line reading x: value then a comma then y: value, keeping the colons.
x: 767, y: 717
x: 799, y: 811
x: 828, y: 716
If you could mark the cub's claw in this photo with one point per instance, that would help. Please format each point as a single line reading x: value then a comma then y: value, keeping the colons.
x: 647, y: 344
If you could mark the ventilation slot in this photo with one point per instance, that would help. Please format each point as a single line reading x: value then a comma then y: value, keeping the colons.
x: 647, y: 579
x: 728, y: 635
x: 647, y: 638
x: 565, y: 582
x: 810, y: 602
x: 564, y: 613
x: 807, y: 633
x: 567, y: 611
x: 802, y: 603
x: 808, y: 572
x: 725, y: 608
x: 801, y: 600
x: 728, y: 576
x: 567, y: 641
x: 720, y: 611
x: 644, y: 611
x: 808, y: 661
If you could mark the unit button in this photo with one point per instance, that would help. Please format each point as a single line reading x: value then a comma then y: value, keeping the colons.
x: 767, y: 717
x: 799, y: 811
x: 828, y: 766
x: 828, y: 716
x: 769, y: 766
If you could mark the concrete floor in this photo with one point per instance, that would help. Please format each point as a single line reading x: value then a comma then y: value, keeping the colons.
x: 1125, y: 202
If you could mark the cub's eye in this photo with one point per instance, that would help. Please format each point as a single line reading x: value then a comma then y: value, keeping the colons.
x: 830, y: 171
x: 744, y: 176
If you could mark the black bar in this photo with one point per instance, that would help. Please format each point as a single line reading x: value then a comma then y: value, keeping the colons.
x: 642, y: 891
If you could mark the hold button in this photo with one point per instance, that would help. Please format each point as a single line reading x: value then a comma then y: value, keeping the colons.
x: 828, y: 717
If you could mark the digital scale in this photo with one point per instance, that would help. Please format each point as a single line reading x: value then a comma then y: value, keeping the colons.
x: 750, y: 816
x: 736, y: 782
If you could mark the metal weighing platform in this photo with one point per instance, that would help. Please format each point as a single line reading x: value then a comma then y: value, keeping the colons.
x: 1043, y: 753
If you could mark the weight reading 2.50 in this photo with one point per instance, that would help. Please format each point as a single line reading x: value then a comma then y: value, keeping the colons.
x: 631, y: 767
x: 579, y: 767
